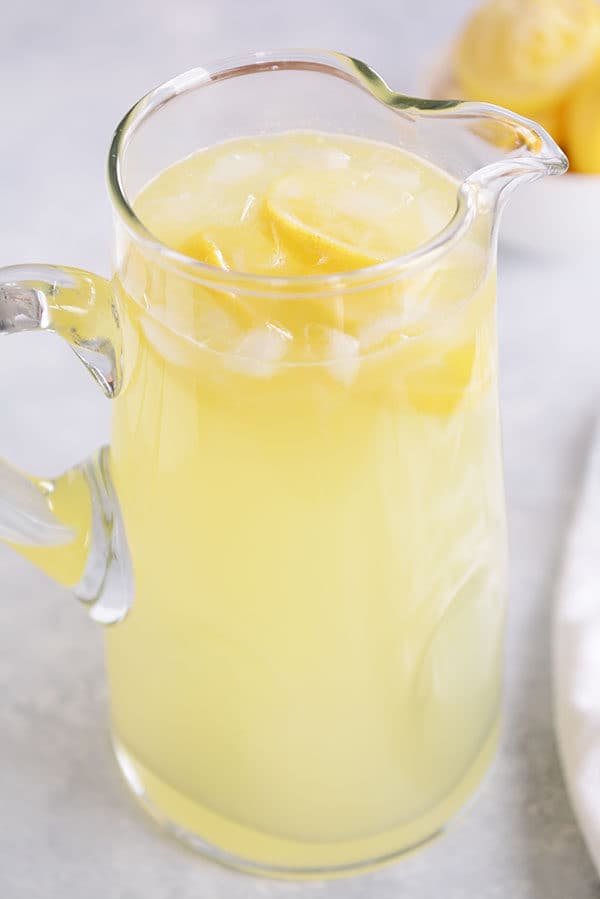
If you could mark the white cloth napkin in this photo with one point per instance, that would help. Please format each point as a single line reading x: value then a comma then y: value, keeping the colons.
x: 577, y: 658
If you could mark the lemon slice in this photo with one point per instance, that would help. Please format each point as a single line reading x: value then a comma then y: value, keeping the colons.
x: 205, y: 249
x: 300, y: 211
x: 240, y: 247
x: 527, y: 54
x: 342, y: 220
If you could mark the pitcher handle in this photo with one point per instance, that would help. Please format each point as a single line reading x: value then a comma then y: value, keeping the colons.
x: 70, y: 527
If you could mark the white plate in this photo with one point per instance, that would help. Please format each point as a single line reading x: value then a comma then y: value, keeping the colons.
x: 556, y: 216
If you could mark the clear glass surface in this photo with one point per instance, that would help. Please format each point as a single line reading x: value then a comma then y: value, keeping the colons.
x: 308, y: 680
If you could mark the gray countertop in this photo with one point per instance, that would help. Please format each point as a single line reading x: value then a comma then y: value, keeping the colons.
x: 67, y: 826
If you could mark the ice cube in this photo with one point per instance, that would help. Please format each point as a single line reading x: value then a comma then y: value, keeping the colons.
x: 213, y: 326
x: 379, y: 329
x: 169, y: 217
x: 260, y: 351
x: 407, y: 179
x: 343, y: 356
x: 228, y: 169
x: 337, y: 351
x: 433, y: 215
x: 336, y: 159
x: 366, y: 206
x: 172, y: 347
x: 179, y: 338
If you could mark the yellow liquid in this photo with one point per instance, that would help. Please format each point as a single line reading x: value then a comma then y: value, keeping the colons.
x: 309, y: 677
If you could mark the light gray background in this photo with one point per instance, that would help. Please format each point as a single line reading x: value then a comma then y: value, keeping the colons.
x: 68, y: 70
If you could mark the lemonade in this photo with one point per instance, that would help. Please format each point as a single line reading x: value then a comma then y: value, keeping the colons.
x: 312, y: 494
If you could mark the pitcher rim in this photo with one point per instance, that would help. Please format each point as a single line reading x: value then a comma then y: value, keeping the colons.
x: 328, y: 62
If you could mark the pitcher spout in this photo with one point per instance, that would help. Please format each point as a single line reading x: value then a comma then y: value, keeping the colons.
x: 518, y: 150
x: 485, y: 146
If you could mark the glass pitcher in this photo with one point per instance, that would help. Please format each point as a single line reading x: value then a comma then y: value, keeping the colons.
x: 297, y: 534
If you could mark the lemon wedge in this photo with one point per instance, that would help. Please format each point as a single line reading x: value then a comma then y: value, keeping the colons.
x: 303, y: 213
x: 338, y: 221
x: 527, y: 54
x: 205, y: 249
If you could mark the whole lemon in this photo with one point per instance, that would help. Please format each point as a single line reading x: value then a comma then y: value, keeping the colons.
x: 582, y: 125
x: 527, y: 54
